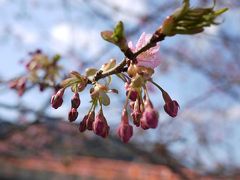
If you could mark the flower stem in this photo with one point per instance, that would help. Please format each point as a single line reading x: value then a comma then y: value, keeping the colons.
x: 159, y: 87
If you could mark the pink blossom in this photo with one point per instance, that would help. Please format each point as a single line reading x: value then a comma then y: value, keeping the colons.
x: 149, y: 58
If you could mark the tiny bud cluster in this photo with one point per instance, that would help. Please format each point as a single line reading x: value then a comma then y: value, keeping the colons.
x: 41, y: 71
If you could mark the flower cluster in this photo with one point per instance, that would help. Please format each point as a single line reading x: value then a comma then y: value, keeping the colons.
x: 141, y: 110
x: 135, y: 70
x: 41, y: 70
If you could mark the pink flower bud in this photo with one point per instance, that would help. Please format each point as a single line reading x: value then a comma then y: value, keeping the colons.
x: 100, y: 126
x: 124, y: 115
x: 83, y: 126
x: 72, y: 115
x: 144, y: 125
x: 90, y: 119
x: 125, y: 131
x: 171, y: 108
x: 149, y: 117
x: 57, y: 99
x: 133, y: 95
x: 75, y: 101
x: 60, y: 92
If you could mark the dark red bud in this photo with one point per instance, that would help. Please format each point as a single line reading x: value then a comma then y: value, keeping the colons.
x: 83, y: 126
x: 144, y: 126
x: 133, y: 95
x: 166, y: 96
x: 60, y: 92
x: 72, y: 115
x: 75, y: 101
x: 149, y: 117
x: 100, y: 126
x: 125, y: 131
x: 90, y: 120
x: 124, y: 116
x: 171, y: 108
x: 56, y: 101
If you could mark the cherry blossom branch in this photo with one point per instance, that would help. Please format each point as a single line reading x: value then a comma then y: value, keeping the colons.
x: 139, y: 69
x: 116, y: 70
x: 131, y: 56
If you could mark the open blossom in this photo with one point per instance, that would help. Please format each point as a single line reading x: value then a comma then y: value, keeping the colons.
x: 149, y: 58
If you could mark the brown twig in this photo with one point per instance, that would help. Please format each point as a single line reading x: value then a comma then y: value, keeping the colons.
x: 131, y: 56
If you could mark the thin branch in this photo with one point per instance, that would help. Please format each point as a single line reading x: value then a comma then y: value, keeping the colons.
x: 131, y: 56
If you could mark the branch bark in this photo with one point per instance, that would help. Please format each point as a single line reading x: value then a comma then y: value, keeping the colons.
x: 129, y: 55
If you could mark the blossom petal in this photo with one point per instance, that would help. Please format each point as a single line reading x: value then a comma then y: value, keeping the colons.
x: 149, y: 58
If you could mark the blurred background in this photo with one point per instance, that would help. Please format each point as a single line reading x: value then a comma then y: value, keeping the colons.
x: 202, y: 72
